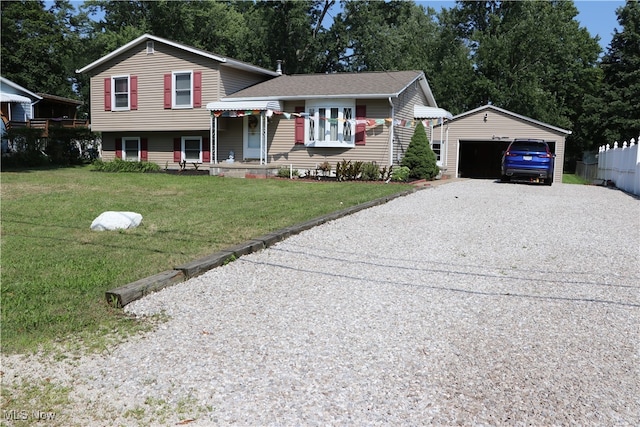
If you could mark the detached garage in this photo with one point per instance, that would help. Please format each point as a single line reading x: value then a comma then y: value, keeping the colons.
x: 475, y: 141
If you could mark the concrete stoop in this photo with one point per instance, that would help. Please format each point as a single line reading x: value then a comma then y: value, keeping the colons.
x: 126, y: 294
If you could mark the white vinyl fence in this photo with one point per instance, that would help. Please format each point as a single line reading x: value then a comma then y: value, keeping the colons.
x: 621, y: 166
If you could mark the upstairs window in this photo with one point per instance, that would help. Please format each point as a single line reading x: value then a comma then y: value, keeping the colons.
x: 183, y: 89
x: 120, y: 93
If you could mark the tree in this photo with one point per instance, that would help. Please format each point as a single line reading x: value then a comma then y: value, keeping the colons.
x: 619, y: 106
x: 420, y: 158
x: 38, y: 45
x: 532, y: 58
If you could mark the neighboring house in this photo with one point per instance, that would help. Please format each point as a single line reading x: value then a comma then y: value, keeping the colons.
x: 164, y: 102
x: 475, y: 141
x: 22, y: 108
x: 16, y: 102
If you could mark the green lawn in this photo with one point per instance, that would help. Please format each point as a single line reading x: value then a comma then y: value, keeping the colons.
x: 569, y: 178
x: 55, y: 271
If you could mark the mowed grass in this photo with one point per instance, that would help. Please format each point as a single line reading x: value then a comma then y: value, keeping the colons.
x: 569, y: 178
x: 55, y: 271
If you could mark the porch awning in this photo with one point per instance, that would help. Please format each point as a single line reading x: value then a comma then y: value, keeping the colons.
x: 12, y: 97
x: 424, y: 112
x: 244, y: 105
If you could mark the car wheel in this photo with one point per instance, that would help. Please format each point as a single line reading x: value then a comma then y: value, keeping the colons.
x: 505, y: 178
x: 548, y: 181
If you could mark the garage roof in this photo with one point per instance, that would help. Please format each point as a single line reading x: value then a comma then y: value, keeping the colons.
x: 512, y: 114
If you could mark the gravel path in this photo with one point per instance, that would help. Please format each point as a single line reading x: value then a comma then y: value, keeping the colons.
x: 473, y: 303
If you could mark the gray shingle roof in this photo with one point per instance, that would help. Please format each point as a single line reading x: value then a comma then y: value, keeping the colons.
x: 347, y: 85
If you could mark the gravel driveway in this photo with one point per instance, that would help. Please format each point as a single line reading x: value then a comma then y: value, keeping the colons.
x: 470, y: 303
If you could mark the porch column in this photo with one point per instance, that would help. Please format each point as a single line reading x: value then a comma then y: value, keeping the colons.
x: 215, y: 138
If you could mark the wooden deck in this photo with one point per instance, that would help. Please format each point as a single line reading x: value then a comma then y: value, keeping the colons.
x: 45, y: 124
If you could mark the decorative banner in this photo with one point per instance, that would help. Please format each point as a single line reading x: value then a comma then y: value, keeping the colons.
x: 370, y: 123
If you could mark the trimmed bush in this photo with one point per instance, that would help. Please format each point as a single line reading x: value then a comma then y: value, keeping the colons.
x: 119, y: 165
x: 370, y: 171
x: 400, y: 174
x: 420, y: 158
x: 285, y: 172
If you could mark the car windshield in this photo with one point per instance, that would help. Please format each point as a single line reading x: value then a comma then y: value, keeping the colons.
x: 529, y: 146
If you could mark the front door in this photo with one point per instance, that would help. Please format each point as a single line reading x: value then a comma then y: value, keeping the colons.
x: 251, y: 137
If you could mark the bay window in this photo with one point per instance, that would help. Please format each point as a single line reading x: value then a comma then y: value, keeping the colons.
x: 330, y: 124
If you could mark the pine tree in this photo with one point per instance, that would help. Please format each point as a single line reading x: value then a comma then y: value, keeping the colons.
x: 420, y: 158
x: 620, y: 106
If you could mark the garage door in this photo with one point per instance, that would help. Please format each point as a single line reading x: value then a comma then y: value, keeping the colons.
x: 480, y: 159
x: 483, y: 159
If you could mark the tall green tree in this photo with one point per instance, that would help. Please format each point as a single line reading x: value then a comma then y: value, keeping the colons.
x: 38, y: 45
x: 533, y: 58
x: 619, y: 106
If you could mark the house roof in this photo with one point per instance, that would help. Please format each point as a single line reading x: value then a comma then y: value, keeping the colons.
x: 11, y: 96
x: 512, y: 114
x: 233, y: 63
x: 60, y: 99
x: 338, y: 85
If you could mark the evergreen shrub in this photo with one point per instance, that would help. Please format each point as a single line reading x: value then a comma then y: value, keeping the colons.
x: 420, y: 158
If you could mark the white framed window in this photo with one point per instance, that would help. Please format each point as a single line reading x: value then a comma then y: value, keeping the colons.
x: 131, y: 149
x: 331, y: 124
x: 192, y: 149
x: 436, y: 146
x: 120, y: 93
x: 150, y: 48
x: 182, y: 90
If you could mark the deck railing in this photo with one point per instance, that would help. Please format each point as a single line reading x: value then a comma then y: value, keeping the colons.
x: 45, y: 124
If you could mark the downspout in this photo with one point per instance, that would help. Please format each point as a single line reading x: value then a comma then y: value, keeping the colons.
x: 393, y: 116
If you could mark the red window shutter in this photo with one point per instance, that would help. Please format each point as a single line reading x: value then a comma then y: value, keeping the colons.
x: 361, y: 127
x: 177, y: 150
x: 299, y: 134
x: 167, y: 91
x: 133, y: 81
x: 107, y: 94
x: 205, y: 151
x: 144, y: 149
x: 197, y: 89
x: 118, y: 148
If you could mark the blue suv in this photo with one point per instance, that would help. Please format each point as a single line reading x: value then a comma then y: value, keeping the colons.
x: 528, y: 159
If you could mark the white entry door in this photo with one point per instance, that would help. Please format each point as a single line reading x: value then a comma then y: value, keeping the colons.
x: 251, y: 137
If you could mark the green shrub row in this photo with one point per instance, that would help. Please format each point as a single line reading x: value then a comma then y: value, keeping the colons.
x: 119, y: 165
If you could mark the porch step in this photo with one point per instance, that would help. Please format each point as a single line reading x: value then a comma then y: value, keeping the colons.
x: 244, y: 172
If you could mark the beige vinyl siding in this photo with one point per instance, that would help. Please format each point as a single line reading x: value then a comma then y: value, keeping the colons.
x: 498, y: 125
x: 160, y: 145
x: 232, y: 80
x: 404, y: 111
x: 283, y: 151
x: 150, y: 70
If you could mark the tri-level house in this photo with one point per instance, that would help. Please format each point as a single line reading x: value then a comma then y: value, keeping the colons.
x: 161, y: 101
